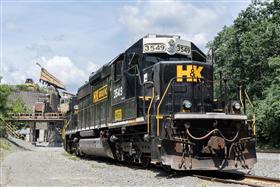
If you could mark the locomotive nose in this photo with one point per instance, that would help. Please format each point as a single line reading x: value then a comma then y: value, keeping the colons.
x: 184, y: 86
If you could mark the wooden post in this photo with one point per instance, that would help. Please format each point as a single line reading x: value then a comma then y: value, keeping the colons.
x: 34, y: 133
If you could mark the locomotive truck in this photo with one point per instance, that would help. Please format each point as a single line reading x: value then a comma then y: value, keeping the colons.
x: 154, y: 103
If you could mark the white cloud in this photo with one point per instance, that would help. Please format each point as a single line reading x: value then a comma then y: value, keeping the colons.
x: 67, y: 71
x: 192, y: 21
x: 61, y: 67
x: 200, y: 39
x: 11, y: 74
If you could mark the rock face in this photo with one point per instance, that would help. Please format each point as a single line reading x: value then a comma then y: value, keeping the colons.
x: 28, y: 97
x: 54, y: 135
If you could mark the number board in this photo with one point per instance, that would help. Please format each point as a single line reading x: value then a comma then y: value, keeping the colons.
x: 154, y: 47
x: 117, y: 92
x: 184, y: 50
x: 118, y: 114
x: 100, y: 94
x: 170, y: 46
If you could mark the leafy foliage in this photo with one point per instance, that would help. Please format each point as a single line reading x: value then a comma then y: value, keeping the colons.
x: 7, y: 106
x: 4, y: 93
x: 268, y: 109
x: 248, y: 52
x: 18, y: 106
x: 28, y: 87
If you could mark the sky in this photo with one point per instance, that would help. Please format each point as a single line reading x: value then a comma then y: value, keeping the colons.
x: 73, y: 38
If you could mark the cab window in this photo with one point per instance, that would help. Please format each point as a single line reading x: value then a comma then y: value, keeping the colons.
x: 118, y: 70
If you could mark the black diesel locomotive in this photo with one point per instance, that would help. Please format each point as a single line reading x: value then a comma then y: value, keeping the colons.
x: 154, y: 104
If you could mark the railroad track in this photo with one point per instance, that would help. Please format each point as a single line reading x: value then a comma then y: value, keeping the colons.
x: 268, y: 151
x: 241, y: 178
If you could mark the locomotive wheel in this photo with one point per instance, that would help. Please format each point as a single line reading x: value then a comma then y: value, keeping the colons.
x: 145, y: 161
x: 166, y: 168
x: 128, y: 160
x: 78, y: 152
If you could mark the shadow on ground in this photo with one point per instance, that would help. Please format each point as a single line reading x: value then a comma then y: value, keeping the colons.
x: 161, y: 172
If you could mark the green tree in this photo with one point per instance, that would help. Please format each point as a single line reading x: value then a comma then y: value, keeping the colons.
x: 268, y: 109
x: 18, y: 106
x: 248, y: 52
x: 242, y: 50
x: 4, y: 93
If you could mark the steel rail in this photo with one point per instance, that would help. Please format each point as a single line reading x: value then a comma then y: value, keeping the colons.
x: 274, y: 151
x: 242, y: 179
x: 226, y: 181
x: 263, y: 179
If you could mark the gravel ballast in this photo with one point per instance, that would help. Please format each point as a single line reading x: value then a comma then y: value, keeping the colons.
x: 44, y: 166
x: 268, y: 165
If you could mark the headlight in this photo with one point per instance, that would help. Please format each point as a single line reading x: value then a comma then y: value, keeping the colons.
x: 76, y: 107
x: 187, y: 104
x: 237, y: 106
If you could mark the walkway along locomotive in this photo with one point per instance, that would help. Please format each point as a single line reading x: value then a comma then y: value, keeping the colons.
x: 154, y: 104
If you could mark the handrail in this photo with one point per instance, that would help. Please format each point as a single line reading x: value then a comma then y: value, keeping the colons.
x: 158, y: 107
x: 240, y: 97
x: 36, y: 115
x: 149, y: 109
x: 39, y: 114
x: 248, y: 99
x: 11, y: 129
x: 254, y: 114
x: 158, y: 117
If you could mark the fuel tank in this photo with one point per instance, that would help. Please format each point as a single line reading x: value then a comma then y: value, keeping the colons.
x: 96, y: 147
